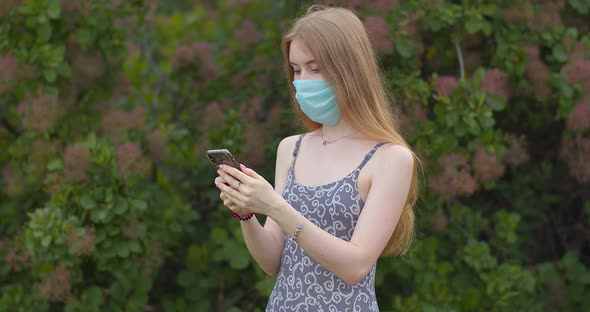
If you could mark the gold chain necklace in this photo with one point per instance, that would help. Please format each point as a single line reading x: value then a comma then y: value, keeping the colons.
x: 326, y: 142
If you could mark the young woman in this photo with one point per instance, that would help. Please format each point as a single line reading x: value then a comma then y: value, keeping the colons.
x: 344, y: 192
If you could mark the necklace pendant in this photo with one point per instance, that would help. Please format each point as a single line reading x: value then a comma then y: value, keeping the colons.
x: 324, y: 143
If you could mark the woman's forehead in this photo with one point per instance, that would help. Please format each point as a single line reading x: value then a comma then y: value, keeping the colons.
x: 299, y: 52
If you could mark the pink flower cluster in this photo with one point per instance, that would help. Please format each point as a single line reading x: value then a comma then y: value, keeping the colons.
x: 83, y: 7
x: 132, y: 230
x: 487, y: 167
x: 522, y: 12
x: 7, y: 5
x: 579, y: 117
x: 14, y: 181
x: 82, y: 244
x: 575, y: 152
x: 202, y: 53
x: 87, y: 67
x: 247, y: 33
x: 544, y: 16
x: 578, y: 72
x: 213, y: 115
x: 17, y: 257
x: 445, y: 85
x: 547, y: 17
x: 516, y: 150
x: 496, y: 82
x: 255, y: 139
x: 578, y: 53
x: 40, y: 113
x: 156, y: 142
x: 56, y: 286
x: 77, y: 160
x: 118, y: 121
x: 52, y: 183
x: 129, y: 159
x: 455, y: 178
x: 252, y: 109
x: 537, y: 72
x: 153, y: 259
x: 42, y: 151
x: 379, y: 33
x: 439, y: 221
x: 411, y: 114
x: 9, y: 71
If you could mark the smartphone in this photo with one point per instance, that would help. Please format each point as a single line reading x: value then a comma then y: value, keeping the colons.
x: 222, y: 156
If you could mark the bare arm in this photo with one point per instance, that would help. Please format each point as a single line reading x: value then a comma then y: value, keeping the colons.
x: 351, y: 261
x: 266, y: 244
x: 391, y: 174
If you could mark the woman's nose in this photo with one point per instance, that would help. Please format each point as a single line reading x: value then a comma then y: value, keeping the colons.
x: 305, y: 75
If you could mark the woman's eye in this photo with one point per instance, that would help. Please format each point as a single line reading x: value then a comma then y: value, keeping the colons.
x: 297, y: 72
x: 315, y: 70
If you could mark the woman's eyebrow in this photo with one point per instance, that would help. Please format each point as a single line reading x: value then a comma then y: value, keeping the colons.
x: 306, y: 63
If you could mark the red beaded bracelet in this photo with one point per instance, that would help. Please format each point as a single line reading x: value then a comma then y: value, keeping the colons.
x: 243, y: 218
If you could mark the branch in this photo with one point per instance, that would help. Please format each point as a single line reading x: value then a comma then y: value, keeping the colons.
x: 12, y: 129
x: 460, y: 57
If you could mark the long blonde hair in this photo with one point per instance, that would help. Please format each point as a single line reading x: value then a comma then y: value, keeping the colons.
x: 339, y: 43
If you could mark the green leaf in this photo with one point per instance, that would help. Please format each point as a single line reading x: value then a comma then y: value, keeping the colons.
x: 121, y: 206
x: 495, y: 102
x: 560, y: 53
x: 185, y: 278
x: 91, y: 141
x: 404, y: 47
x: 84, y: 37
x: 93, y: 296
x: 54, y: 9
x: 451, y: 118
x: 122, y: 250
x: 472, y: 26
x: 55, y: 164
x: 218, y: 235
x: 50, y: 75
x: 138, y: 204
x: 134, y: 246
x: 46, y: 241
x: 87, y: 202
x: 580, y: 5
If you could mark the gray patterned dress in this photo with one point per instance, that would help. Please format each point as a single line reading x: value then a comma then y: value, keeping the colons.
x: 303, y: 284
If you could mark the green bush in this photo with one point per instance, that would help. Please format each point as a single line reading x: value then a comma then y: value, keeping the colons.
x: 107, y: 107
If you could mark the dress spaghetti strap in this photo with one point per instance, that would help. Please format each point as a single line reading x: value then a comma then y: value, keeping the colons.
x: 369, y: 155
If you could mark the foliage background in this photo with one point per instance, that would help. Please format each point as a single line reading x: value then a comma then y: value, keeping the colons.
x: 107, y: 107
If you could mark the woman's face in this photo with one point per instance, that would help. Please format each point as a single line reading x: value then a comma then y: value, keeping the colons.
x: 304, y: 64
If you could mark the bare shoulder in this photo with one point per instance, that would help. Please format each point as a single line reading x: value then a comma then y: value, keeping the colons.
x: 394, y: 156
x: 287, y: 144
x: 284, y: 151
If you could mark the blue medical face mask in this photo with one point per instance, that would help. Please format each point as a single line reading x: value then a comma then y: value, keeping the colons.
x: 317, y: 101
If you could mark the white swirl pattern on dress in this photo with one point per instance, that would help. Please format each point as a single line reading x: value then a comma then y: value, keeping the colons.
x: 302, y: 283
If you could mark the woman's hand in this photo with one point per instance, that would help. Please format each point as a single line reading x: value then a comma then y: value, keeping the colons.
x: 232, y: 206
x: 247, y: 190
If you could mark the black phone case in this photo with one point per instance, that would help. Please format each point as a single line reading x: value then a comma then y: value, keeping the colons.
x: 222, y: 156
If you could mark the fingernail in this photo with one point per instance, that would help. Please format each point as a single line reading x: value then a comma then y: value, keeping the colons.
x: 218, y: 171
x: 242, y: 165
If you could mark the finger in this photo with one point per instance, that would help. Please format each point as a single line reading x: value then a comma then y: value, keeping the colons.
x: 228, y: 179
x: 232, y: 193
x: 237, y: 174
x: 251, y: 173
